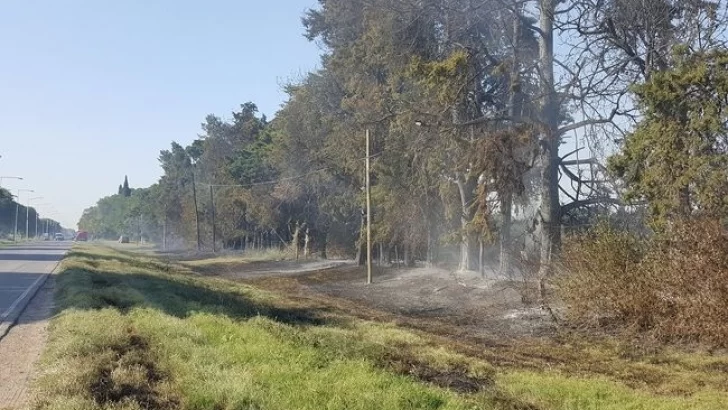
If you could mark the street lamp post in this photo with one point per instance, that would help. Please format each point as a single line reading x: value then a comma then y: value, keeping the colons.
x: 27, y: 215
x: 36, y: 218
x: 17, y: 210
x: 1, y: 179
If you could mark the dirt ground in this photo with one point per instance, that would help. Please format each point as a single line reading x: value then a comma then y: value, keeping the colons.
x: 21, y: 348
x: 477, y: 307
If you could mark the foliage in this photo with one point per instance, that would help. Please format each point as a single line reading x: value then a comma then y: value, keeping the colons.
x: 10, y: 210
x: 677, y: 157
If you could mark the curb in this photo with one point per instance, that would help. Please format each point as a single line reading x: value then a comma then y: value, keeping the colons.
x: 10, y: 318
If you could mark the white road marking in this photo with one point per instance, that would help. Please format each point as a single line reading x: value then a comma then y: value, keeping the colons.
x: 20, y: 298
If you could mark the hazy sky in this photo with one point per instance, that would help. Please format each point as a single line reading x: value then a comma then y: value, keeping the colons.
x: 92, y: 90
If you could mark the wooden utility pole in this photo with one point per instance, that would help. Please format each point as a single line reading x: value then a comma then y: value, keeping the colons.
x: 369, y: 216
x: 164, y: 231
x: 197, y: 216
x: 212, y: 203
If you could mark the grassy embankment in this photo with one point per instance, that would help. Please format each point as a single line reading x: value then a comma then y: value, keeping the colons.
x: 136, y: 332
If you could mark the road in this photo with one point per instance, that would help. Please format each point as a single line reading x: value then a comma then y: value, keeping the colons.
x: 22, y: 269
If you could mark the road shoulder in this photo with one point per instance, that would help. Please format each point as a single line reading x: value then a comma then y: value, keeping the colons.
x: 22, y: 346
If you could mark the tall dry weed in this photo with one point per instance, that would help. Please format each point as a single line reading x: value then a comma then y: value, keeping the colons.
x: 674, y: 285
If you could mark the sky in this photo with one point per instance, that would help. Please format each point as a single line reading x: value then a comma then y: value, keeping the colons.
x: 91, y: 91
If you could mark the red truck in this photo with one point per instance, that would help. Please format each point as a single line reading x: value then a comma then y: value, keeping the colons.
x: 81, y: 236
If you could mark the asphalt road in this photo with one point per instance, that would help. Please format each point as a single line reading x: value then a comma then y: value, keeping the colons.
x: 22, y: 269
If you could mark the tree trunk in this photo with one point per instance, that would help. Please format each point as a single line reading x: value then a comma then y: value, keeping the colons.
x: 481, y: 268
x: 294, y: 240
x: 515, y: 108
x: 361, y: 252
x: 549, y: 211
x: 324, y: 242
x: 431, y: 237
x: 506, y: 250
x: 465, y: 188
x: 407, y: 256
x: 306, y: 239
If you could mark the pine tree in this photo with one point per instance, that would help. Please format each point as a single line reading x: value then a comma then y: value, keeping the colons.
x: 126, y: 191
x: 676, y: 158
x: 121, y: 190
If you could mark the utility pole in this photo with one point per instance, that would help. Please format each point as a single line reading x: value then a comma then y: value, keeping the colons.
x: 369, y: 216
x: 194, y: 198
x: 164, y: 231
x: 212, y: 203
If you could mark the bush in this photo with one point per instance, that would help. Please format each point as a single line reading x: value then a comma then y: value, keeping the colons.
x: 674, y: 285
x: 602, y: 279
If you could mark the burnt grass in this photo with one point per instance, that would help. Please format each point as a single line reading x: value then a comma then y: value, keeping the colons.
x: 299, y: 304
x: 174, y: 296
x: 456, y: 379
x: 134, y: 354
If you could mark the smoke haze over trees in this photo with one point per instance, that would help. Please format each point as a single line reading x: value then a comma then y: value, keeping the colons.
x: 488, y: 122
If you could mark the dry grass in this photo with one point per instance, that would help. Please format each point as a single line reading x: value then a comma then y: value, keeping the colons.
x: 673, y: 287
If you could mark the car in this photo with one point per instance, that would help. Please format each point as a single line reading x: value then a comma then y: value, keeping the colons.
x: 59, y: 237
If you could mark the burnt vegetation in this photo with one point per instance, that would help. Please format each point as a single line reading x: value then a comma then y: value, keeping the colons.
x: 577, y: 148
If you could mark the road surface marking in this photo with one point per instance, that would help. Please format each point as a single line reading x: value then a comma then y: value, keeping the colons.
x: 20, y: 298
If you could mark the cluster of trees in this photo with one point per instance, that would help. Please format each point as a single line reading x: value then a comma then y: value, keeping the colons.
x: 469, y: 105
x: 10, y: 210
x: 131, y: 212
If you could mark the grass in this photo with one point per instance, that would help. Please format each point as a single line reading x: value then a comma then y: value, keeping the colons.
x: 266, y: 255
x: 136, y: 332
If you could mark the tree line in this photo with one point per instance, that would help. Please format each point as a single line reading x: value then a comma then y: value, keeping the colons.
x: 14, y: 214
x: 491, y: 122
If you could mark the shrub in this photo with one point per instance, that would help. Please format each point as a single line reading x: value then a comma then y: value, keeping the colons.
x: 674, y: 286
x: 601, y: 278
x: 688, y: 267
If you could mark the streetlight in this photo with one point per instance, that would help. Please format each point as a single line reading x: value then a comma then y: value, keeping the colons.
x: 36, y: 217
x: 17, y: 209
x: 1, y: 179
x: 27, y: 215
x: 52, y: 213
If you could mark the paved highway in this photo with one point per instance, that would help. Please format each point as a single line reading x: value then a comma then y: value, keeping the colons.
x: 22, y: 269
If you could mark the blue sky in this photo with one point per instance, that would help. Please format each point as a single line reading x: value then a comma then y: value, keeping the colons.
x: 93, y: 90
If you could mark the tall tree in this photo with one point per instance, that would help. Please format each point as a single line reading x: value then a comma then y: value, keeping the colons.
x: 677, y: 157
x: 126, y: 191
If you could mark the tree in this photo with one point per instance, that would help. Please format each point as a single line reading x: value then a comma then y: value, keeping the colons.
x: 677, y: 157
x: 126, y: 191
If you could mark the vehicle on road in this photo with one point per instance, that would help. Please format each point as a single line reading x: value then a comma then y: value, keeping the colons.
x: 59, y: 237
x: 81, y: 236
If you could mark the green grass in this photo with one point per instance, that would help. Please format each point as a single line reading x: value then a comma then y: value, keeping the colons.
x: 267, y: 255
x: 135, y: 332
